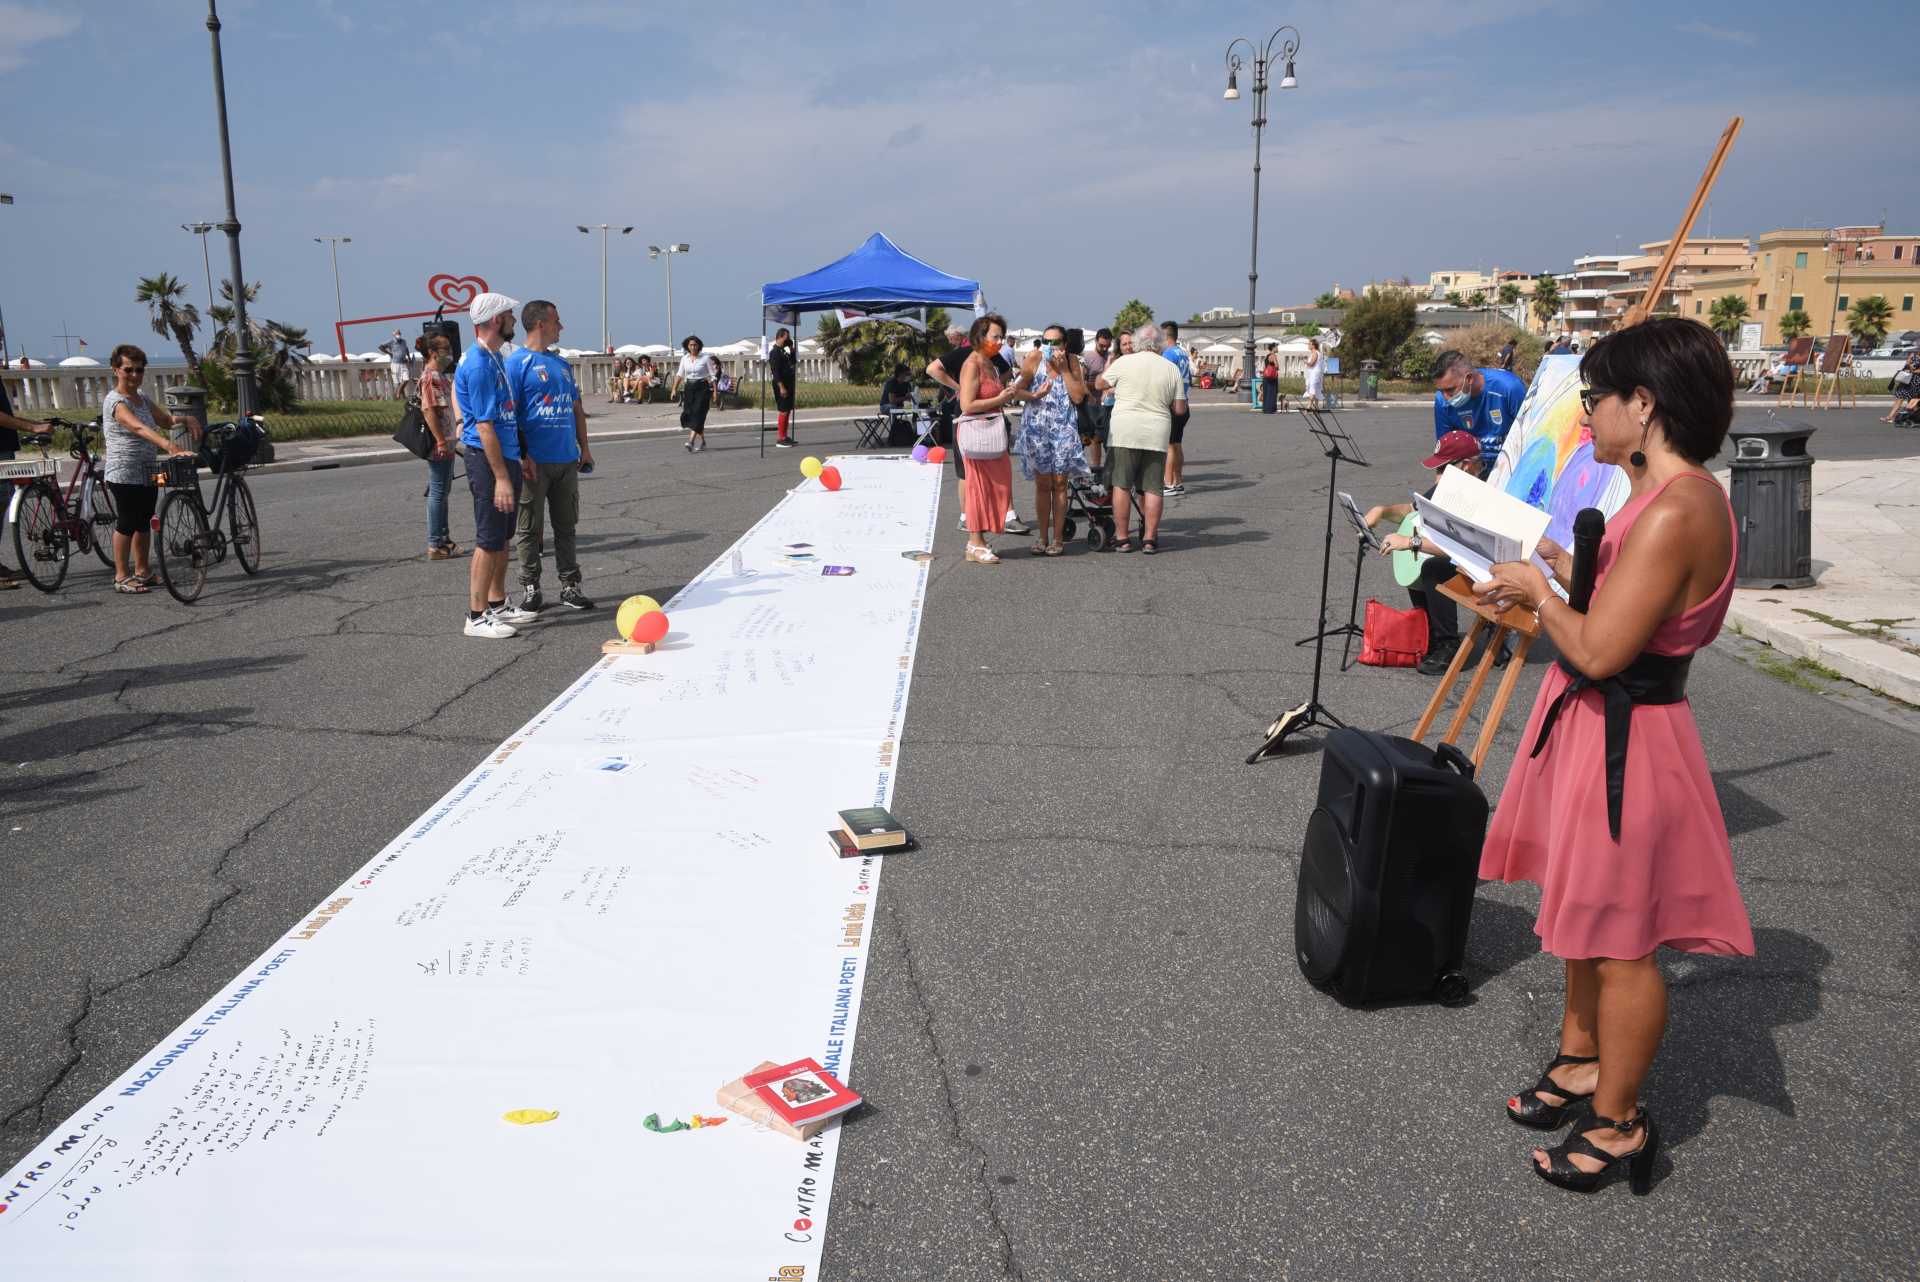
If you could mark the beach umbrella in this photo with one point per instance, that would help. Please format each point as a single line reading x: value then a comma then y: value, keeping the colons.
x: 30, y: 363
x: 81, y: 362
x: 1219, y: 349
x: 321, y: 358
x: 630, y: 349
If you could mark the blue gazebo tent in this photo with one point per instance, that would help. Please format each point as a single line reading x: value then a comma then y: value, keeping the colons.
x: 877, y: 277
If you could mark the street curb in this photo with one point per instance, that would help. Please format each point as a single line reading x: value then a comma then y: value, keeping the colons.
x: 394, y: 454
x: 1864, y: 661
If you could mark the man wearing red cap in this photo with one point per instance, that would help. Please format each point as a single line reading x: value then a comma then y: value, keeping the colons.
x: 1455, y: 449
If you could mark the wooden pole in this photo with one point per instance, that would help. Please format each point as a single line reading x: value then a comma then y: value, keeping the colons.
x: 1658, y: 285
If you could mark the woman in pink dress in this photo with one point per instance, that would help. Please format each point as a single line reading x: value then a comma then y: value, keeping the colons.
x: 983, y: 400
x: 1609, y: 806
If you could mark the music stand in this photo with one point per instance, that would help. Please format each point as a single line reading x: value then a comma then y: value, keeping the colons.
x: 1340, y: 448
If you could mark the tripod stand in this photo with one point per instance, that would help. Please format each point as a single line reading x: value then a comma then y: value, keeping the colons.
x: 1340, y: 448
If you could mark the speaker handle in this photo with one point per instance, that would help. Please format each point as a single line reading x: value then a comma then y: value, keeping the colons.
x: 1448, y: 754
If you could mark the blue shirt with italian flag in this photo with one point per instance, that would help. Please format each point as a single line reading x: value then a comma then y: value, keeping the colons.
x: 545, y: 394
x: 1488, y: 416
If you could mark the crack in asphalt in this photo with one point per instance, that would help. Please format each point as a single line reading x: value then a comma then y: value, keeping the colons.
x: 1009, y: 1264
x: 36, y: 1104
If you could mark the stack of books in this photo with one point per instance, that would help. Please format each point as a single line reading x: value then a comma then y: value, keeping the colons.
x: 869, y: 830
x: 796, y: 1099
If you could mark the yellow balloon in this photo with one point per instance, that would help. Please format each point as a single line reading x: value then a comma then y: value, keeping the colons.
x: 629, y: 613
x: 810, y: 466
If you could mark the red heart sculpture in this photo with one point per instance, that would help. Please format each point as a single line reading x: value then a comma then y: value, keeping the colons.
x: 455, y: 291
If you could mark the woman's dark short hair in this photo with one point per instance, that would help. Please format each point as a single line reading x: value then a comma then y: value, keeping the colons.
x: 1683, y: 366
x: 686, y: 344
x: 977, y: 334
x: 125, y: 351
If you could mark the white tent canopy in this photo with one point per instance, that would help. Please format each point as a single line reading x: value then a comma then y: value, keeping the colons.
x: 321, y: 358
x: 1219, y: 349
x: 31, y: 363
x: 81, y: 362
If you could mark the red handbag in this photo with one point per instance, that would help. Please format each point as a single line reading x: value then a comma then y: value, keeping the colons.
x: 1393, y: 638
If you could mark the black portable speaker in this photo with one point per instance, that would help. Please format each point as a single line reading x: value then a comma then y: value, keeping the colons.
x: 449, y: 329
x: 1388, y: 870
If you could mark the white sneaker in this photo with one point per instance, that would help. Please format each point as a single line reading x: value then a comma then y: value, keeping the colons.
x: 489, y: 627
x: 513, y: 614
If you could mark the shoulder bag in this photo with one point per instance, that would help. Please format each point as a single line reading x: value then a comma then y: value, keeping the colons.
x: 981, y: 435
x: 413, y: 434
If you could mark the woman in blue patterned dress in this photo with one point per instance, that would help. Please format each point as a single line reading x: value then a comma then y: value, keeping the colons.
x: 1050, y: 436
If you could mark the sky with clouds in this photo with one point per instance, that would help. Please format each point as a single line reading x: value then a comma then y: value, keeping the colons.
x: 1070, y: 157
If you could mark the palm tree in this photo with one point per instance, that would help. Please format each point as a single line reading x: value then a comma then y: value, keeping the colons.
x: 868, y: 352
x: 1509, y: 294
x: 1132, y: 315
x: 169, y: 315
x: 1869, y: 319
x: 1726, y: 314
x: 1454, y: 299
x: 1327, y: 298
x: 1477, y: 299
x: 1546, y: 300
x: 1794, y: 324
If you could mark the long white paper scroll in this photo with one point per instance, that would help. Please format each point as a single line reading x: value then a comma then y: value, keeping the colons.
x: 627, y: 904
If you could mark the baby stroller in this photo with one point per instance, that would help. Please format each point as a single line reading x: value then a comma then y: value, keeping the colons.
x: 1089, y: 500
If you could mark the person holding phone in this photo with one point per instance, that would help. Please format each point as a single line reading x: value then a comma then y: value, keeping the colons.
x: 980, y: 433
x: 1050, y: 435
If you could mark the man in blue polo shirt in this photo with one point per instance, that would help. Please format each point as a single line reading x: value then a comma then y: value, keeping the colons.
x: 490, y: 429
x: 1176, y: 444
x: 553, y: 421
x: 1481, y: 401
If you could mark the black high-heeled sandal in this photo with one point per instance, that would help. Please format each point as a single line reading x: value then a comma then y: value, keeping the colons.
x: 1528, y: 1109
x: 1560, y: 1169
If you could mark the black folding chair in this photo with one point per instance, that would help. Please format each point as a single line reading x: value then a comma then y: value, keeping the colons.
x: 873, y: 431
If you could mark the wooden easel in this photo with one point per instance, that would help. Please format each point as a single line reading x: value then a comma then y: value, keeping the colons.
x: 1836, y: 362
x: 1497, y: 623
x: 1799, y: 354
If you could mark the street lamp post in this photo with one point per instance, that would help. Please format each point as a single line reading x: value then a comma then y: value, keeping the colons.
x: 606, y: 342
x: 667, y: 252
x: 244, y: 389
x: 5, y: 357
x: 201, y: 230
x: 1263, y: 58
x: 333, y: 244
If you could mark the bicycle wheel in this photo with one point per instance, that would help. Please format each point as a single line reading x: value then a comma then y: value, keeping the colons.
x: 244, y: 521
x: 42, y: 544
x: 103, y: 521
x: 182, y: 546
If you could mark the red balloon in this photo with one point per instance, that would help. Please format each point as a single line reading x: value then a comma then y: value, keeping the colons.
x: 650, y: 626
x: 938, y: 454
x: 830, y: 477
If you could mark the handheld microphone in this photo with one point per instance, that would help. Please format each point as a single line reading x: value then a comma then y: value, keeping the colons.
x: 1588, y: 526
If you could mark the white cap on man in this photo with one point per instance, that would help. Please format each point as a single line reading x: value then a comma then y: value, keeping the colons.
x: 488, y: 306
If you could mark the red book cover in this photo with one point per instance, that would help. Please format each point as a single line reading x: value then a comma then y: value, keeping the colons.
x: 801, y: 1092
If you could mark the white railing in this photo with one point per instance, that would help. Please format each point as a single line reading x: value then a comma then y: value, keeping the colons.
x: 79, y: 392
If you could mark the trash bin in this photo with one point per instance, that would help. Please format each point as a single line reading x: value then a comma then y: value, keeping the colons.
x: 1369, y: 380
x: 190, y: 402
x: 1772, y: 491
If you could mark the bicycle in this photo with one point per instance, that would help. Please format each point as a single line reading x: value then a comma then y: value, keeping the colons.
x: 48, y: 525
x: 187, y: 534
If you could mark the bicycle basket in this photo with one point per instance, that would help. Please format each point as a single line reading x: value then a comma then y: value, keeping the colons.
x: 177, y: 472
x: 231, y: 445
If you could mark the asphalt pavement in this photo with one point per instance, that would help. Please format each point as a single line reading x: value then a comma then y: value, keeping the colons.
x: 1087, y: 1048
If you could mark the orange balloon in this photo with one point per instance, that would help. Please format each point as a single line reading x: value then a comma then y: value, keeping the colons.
x: 830, y: 477
x: 938, y: 454
x: 650, y: 626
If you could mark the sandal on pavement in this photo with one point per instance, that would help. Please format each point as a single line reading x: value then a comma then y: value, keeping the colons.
x: 1056, y: 549
x: 1124, y: 545
x: 1149, y: 546
x: 985, y: 556
x: 1037, y: 548
x: 1529, y: 1109
x: 131, y: 586
x: 1560, y: 1169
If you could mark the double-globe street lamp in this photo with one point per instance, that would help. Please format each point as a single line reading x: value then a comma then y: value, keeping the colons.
x: 667, y: 252
x: 1264, y: 56
x: 245, y: 391
x: 606, y: 343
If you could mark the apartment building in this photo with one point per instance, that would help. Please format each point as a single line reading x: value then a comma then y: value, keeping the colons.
x: 1700, y: 255
x: 1817, y: 270
x: 1584, y: 292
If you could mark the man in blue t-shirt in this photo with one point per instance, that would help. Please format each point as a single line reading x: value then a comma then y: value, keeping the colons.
x: 1176, y: 450
x: 553, y: 421
x: 490, y: 429
x: 1481, y: 401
